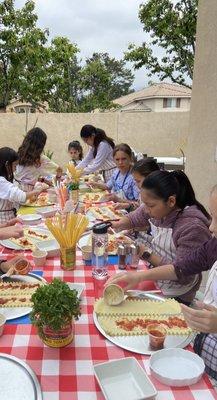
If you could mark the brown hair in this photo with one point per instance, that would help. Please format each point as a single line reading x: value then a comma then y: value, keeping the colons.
x: 125, y: 148
x: 32, y: 147
x: 99, y: 136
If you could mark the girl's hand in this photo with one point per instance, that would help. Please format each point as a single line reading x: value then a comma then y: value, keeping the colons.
x: 15, y: 265
x: 15, y: 231
x: 112, y: 197
x: 120, y: 206
x: 202, y: 320
x: 128, y: 280
x: 92, y: 184
x: 116, y: 225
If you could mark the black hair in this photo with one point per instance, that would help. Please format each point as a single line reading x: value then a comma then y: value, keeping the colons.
x: 75, y: 144
x: 164, y: 184
x: 125, y: 148
x: 32, y: 147
x: 7, y: 157
x: 145, y: 166
x: 99, y: 136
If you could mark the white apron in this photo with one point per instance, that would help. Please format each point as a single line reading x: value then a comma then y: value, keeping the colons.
x: 162, y: 244
x: 206, y: 344
x: 210, y: 295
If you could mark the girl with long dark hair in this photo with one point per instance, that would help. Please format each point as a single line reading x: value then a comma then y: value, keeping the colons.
x: 100, y: 154
x: 10, y: 195
x: 32, y: 163
x: 178, y: 223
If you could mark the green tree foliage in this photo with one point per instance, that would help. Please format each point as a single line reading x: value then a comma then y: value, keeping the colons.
x: 64, y: 72
x: 104, y: 79
x: 172, y: 27
x: 22, y: 54
x: 34, y: 71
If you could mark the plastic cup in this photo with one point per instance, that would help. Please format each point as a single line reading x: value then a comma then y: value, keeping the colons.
x: 86, y: 253
x: 39, y: 257
x: 157, y: 334
x: 2, y: 323
x: 22, y: 267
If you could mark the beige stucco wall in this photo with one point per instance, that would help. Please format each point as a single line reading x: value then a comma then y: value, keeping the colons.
x: 158, y: 134
x: 202, y: 143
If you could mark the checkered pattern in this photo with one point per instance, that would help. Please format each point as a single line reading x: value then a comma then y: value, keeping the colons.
x: 67, y: 373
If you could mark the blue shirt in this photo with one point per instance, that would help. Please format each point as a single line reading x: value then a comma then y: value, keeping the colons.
x: 123, y: 182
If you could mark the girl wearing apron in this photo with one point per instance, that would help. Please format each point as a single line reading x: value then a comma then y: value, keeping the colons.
x: 10, y: 195
x: 100, y: 155
x: 122, y: 184
x: 32, y: 163
x: 178, y: 223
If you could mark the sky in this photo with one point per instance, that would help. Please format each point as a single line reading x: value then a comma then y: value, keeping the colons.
x: 95, y: 26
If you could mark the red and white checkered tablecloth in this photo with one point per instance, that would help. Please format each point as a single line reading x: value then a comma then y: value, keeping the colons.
x: 67, y: 373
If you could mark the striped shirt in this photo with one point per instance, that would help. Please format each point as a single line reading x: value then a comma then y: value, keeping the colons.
x: 102, y: 162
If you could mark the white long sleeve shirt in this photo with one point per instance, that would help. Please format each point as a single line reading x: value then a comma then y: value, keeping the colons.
x: 102, y: 162
x: 10, y: 199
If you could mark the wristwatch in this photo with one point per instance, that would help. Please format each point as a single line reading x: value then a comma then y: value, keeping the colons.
x: 147, y: 254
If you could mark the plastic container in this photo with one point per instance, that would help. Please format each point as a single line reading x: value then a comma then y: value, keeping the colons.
x: 39, y: 257
x: 86, y: 253
x: 157, y: 335
x: 100, y: 276
x: 100, y: 245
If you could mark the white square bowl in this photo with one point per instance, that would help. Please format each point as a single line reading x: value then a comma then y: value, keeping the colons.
x: 124, y: 379
x: 77, y: 286
x: 189, y: 367
x: 50, y: 246
x: 46, y: 212
x: 30, y: 219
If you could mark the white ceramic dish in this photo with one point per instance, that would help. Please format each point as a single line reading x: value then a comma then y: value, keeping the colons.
x: 126, y: 377
x: 30, y: 219
x: 77, y: 286
x: 46, y: 212
x: 50, y: 246
x: 177, y: 367
x: 16, y: 312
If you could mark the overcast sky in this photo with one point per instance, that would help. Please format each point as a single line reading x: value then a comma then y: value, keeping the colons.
x: 95, y: 25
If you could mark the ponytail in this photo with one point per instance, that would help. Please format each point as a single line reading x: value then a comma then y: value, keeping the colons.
x: 164, y: 184
x: 99, y: 136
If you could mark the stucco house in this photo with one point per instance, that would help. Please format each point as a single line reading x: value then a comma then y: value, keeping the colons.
x: 19, y: 107
x: 159, y: 97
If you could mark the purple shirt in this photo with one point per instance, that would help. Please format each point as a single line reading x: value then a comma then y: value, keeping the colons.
x: 190, y: 228
x: 200, y: 259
